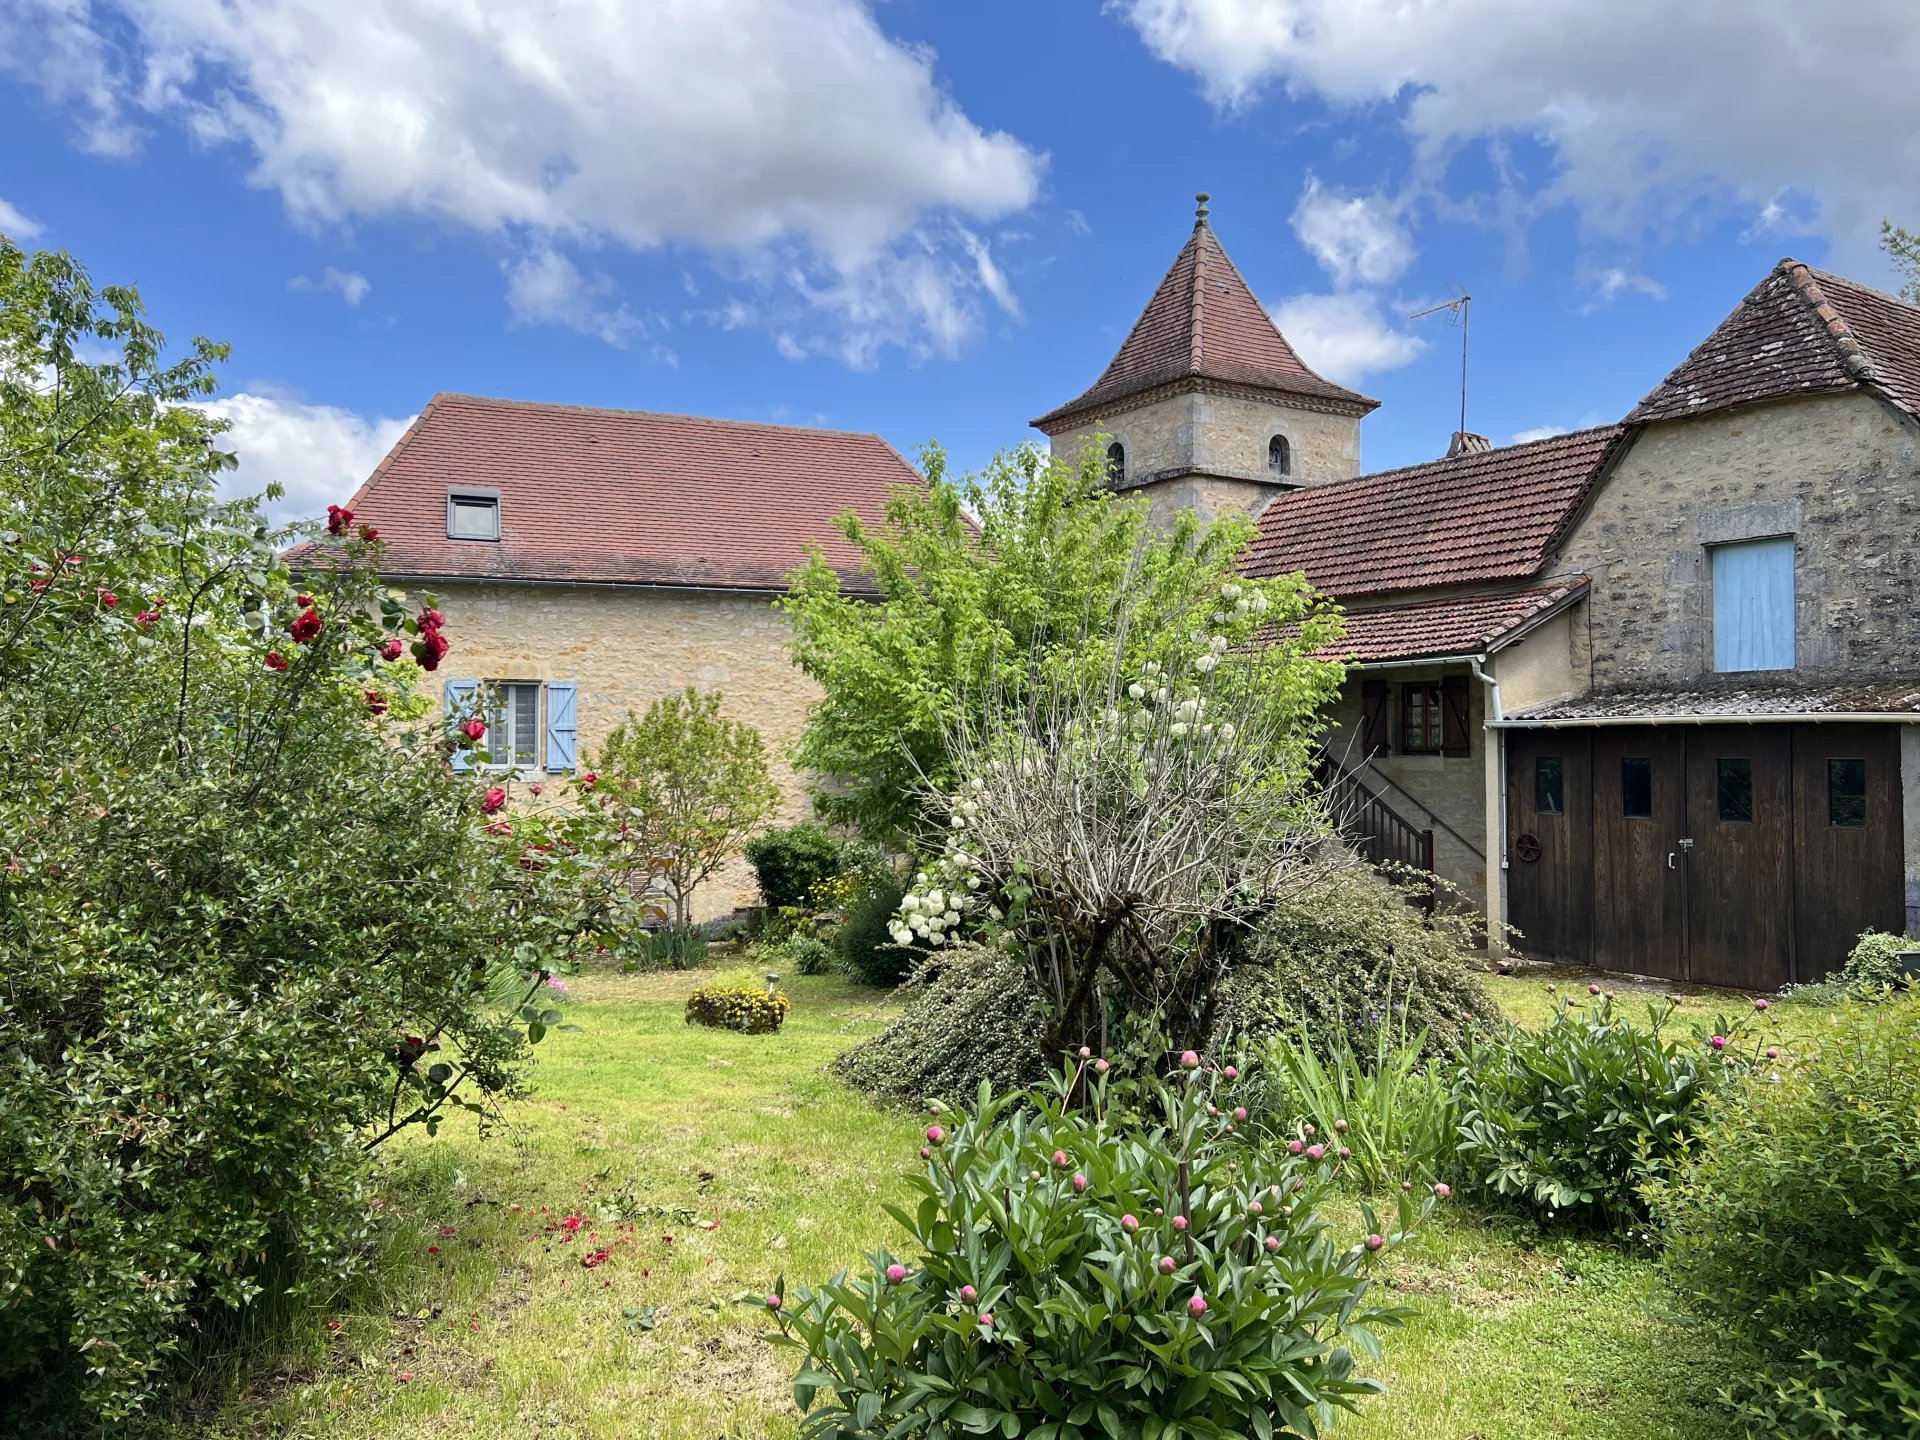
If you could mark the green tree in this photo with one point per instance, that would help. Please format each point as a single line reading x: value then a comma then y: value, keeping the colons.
x: 251, y: 924
x: 1903, y: 247
x: 695, y: 783
x: 981, y: 580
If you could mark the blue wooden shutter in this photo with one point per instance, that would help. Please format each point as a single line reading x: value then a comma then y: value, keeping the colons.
x: 460, y: 698
x: 561, y: 724
x: 1753, y: 605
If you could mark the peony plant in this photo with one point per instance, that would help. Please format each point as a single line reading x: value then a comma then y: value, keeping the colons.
x: 1102, y: 1257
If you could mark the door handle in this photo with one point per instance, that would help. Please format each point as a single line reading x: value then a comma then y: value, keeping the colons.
x: 1670, y: 864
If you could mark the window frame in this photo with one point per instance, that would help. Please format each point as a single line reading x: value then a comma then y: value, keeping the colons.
x: 1646, y: 762
x: 1559, y: 772
x: 1728, y: 633
x: 1434, y: 726
x: 489, y: 690
x: 1833, y: 764
x: 465, y: 496
x: 1720, y: 792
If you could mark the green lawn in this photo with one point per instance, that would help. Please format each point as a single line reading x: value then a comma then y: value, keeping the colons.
x: 705, y: 1163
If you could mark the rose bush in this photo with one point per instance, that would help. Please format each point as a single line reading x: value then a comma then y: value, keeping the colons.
x: 1122, y: 1267
x: 251, y: 924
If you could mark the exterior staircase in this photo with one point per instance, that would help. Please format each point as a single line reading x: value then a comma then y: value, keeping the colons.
x: 1366, y: 821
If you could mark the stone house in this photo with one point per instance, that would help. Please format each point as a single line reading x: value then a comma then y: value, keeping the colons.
x: 589, y: 561
x: 1648, y: 692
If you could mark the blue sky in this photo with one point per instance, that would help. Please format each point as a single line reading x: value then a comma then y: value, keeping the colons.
x: 936, y: 220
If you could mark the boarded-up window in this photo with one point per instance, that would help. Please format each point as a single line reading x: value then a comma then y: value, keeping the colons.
x: 1753, y: 605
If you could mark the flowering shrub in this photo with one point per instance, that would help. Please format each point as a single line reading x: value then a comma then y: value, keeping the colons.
x: 1579, y: 1117
x: 1795, y: 1223
x: 738, y: 1007
x: 1123, y: 1268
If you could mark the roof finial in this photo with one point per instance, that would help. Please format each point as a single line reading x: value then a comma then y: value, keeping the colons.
x: 1200, y: 211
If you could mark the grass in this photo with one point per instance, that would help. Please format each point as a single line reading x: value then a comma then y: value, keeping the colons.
x: 754, y: 1162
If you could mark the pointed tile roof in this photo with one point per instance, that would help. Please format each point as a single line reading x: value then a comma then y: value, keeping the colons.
x: 1203, y: 322
x: 1799, y: 331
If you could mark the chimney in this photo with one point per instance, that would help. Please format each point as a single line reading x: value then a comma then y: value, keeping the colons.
x: 1465, y: 442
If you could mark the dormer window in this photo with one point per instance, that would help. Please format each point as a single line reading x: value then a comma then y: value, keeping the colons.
x: 1116, y: 464
x: 473, y: 515
x: 1279, y: 456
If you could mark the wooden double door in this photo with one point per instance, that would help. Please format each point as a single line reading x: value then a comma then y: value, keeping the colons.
x: 1744, y: 855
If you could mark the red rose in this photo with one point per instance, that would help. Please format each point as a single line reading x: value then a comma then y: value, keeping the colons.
x: 589, y: 780
x: 499, y: 827
x: 338, y: 519
x: 431, y: 620
x: 39, y: 586
x: 430, y: 649
x: 475, y: 729
x: 367, y: 532
x: 303, y: 600
x: 391, y: 650
x: 276, y: 661
x: 306, y: 625
x: 109, y: 599
x: 492, y: 800
x: 534, y: 789
x: 147, y: 617
x: 376, y: 702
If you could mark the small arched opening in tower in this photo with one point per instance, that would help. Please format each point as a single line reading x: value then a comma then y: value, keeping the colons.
x: 1279, y: 456
x: 1116, y: 464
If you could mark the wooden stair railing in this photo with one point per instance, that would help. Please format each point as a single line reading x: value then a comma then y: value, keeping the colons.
x: 1381, y: 834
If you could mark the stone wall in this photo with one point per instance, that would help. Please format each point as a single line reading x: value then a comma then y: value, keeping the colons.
x: 1223, y: 435
x: 1838, y: 472
x: 626, y: 647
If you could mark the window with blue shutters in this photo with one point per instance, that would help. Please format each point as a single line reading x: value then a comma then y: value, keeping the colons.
x: 562, y: 724
x: 1753, y: 605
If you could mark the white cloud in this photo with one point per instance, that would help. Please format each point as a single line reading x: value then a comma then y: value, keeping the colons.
x: 15, y: 225
x: 793, y: 133
x: 544, y: 287
x: 319, y: 453
x: 1345, y: 336
x: 1358, y: 239
x: 1610, y: 284
x: 1538, y: 432
x: 1655, y: 114
x: 352, y: 285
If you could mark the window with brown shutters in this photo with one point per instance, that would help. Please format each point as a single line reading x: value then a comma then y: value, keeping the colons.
x: 1373, y: 710
x: 1456, y: 736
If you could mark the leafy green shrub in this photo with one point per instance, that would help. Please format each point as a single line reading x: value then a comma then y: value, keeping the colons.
x: 1578, y: 1117
x: 1872, y: 965
x: 1795, y: 1222
x: 867, y: 950
x: 809, y: 955
x: 1350, y: 957
x: 251, y: 923
x: 745, y: 1008
x: 972, y: 1017
x: 1077, y: 1272
x: 1393, y: 1114
x: 669, y: 947
x: 790, y: 862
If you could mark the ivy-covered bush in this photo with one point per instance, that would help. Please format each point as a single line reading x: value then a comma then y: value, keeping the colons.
x: 972, y: 1017
x: 1578, y: 1118
x: 746, y: 1008
x: 807, y: 955
x: 791, y: 861
x: 1795, y: 1222
x: 1872, y: 965
x: 1100, y: 1259
x: 251, y: 924
x: 1350, y: 957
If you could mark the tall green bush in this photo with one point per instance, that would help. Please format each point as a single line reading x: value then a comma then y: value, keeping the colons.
x: 1095, y: 1259
x: 251, y: 924
x: 1795, y: 1223
x: 791, y: 861
x: 868, y: 951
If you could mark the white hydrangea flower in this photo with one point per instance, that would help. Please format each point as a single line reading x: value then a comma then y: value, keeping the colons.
x: 958, y: 822
x: 1241, y: 606
x: 1259, y: 602
x: 1136, y: 691
x: 1227, y: 732
x: 1151, y: 667
x: 952, y: 917
x: 1161, y: 695
x: 1230, y: 590
x: 1218, y: 644
x: 1179, y: 729
x: 1206, y: 663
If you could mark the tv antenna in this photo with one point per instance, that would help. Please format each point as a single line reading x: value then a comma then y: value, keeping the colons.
x: 1458, y: 306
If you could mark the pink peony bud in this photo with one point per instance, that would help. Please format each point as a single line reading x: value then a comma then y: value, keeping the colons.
x: 896, y: 1273
x: 1079, y: 1184
x: 1060, y: 1161
x: 1272, y: 1242
x: 1254, y: 1208
x: 1443, y: 1190
x: 1762, y: 1004
x: 1314, y: 1152
x: 935, y: 1135
x: 1100, y: 1066
x: 986, y: 1319
x: 1167, y: 1267
x: 1197, y: 1307
x: 925, y: 1153
x: 1341, y: 1126
x: 1308, y: 1128
x: 1086, y: 1053
x: 1593, y: 989
x: 773, y: 1302
x: 1189, y: 1060
x: 1374, y: 1242
x: 1212, y: 1110
x: 1718, y: 1042
x: 1239, y: 1112
x: 1180, y: 1223
x: 1232, y: 1072
x: 1294, y: 1147
x: 1129, y: 1223
x: 1345, y: 1153
x: 968, y: 1294
x: 1772, y: 1053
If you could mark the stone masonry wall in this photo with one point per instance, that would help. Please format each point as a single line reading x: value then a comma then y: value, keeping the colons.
x: 1838, y: 472
x: 625, y: 648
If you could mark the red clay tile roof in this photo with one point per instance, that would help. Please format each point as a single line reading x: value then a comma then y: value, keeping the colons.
x: 1204, y: 322
x: 1799, y: 331
x: 624, y: 496
x: 1456, y: 625
x: 1478, y: 517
